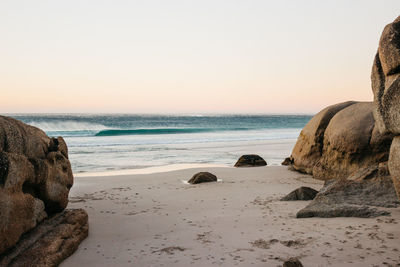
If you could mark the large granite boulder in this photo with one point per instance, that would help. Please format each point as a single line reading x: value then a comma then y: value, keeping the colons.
x: 385, y: 80
x: 339, y: 141
x: 35, y: 179
x: 350, y: 144
x: 250, y: 161
x: 48, y: 244
x: 308, y: 149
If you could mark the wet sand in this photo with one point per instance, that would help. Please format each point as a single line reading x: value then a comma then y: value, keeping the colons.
x: 158, y: 220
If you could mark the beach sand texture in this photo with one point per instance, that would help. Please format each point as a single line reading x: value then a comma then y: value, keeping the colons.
x: 158, y: 220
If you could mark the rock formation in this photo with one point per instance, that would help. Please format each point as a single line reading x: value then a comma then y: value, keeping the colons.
x: 202, y: 177
x: 50, y: 242
x: 302, y: 193
x: 356, y: 196
x: 339, y: 141
x: 385, y: 79
x: 308, y: 149
x: 35, y: 179
x: 357, y: 144
x: 250, y: 161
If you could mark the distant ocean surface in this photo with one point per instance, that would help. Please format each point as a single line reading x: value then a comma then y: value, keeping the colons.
x: 104, y: 142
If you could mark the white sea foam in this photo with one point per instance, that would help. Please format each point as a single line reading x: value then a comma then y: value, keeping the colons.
x: 67, y: 126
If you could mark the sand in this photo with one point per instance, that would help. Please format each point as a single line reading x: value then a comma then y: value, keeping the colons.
x: 158, y: 220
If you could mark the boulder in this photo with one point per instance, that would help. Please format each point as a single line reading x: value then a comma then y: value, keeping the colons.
x: 385, y: 79
x: 48, y: 244
x: 35, y: 179
x: 202, y: 177
x: 250, y: 161
x: 356, y: 197
x: 339, y: 141
x: 302, y: 193
x: 309, y: 145
x: 350, y: 144
x: 394, y: 163
x: 292, y: 262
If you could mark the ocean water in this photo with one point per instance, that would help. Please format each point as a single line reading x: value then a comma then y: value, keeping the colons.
x: 102, y: 142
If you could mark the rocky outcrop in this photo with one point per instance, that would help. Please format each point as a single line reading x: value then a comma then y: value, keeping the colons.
x: 35, y: 179
x: 349, y: 144
x: 250, y: 161
x: 356, y: 196
x: 339, y: 141
x: 302, y: 193
x: 50, y: 242
x: 202, y: 177
x: 385, y: 79
x: 308, y: 149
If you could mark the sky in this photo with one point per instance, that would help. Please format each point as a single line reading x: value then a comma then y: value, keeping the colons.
x: 170, y: 56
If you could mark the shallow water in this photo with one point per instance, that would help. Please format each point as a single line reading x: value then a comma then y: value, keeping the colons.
x: 101, y: 142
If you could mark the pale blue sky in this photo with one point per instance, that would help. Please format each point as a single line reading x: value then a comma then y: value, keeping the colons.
x: 187, y: 56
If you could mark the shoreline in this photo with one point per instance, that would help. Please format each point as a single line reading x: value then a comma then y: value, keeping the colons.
x: 157, y: 220
x: 149, y: 170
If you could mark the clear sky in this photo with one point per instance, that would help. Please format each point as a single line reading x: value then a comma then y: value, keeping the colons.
x: 205, y: 56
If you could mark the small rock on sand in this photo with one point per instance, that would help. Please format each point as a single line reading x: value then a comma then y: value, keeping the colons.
x: 250, y: 161
x: 292, y: 262
x: 202, y: 177
x: 301, y: 193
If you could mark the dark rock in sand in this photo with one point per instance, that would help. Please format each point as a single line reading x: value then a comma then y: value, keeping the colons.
x: 35, y: 178
x: 250, y: 161
x: 302, y: 193
x: 48, y: 244
x: 354, y: 198
x: 202, y: 177
x: 287, y: 161
x: 308, y: 149
x: 292, y: 262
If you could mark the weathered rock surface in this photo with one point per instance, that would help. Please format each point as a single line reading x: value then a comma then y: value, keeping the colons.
x: 339, y: 141
x: 385, y: 79
x: 308, y: 149
x: 202, y: 177
x: 35, y: 179
x: 50, y: 242
x: 302, y: 193
x: 394, y: 163
x: 292, y: 262
x: 354, y: 198
x: 250, y: 161
x: 348, y: 146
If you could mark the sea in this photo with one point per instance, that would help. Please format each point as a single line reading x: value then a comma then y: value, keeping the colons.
x: 107, y: 142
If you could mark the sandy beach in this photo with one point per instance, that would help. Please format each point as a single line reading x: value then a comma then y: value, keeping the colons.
x: 158, y: 220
